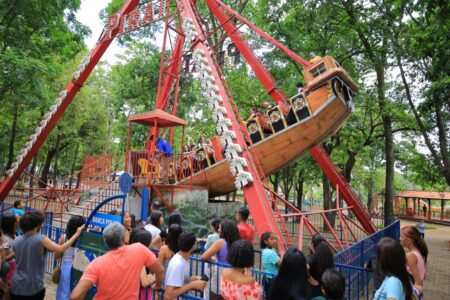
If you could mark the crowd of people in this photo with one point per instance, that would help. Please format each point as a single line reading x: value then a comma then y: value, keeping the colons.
x: 129, y: 270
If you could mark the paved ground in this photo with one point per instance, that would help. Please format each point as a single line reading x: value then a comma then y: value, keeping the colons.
x: 50, y: 288
x: 437, y: 281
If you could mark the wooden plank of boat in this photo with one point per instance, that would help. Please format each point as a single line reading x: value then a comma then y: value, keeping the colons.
x: 285, y: 146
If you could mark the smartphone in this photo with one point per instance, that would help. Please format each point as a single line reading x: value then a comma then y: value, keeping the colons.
x: 205, y: 278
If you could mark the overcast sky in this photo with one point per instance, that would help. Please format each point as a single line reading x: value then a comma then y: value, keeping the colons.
x: 88, y: 14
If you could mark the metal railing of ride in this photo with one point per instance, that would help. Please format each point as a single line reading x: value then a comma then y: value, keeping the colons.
x: 164, y: 168
x: 344, y: 231
x: 351, y: 262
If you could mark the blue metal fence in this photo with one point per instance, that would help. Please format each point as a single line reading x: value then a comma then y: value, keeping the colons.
x: 349, y: 262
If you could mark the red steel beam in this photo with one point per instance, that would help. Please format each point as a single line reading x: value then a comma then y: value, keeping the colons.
x: 71, y: 90
x: 220, y: 10
x: 259, y: 31
x: 169, y: 78
x: 260, y: 71
x: 331, y: 171
x: 254, y: 192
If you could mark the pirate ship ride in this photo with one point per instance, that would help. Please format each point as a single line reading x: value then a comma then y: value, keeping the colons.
x: 243, y: 154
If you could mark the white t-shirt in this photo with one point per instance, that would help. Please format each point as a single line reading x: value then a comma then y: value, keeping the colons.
x: 155, y: 231
x: 177, y: 274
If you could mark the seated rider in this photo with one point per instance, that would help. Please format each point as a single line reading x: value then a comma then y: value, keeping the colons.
x: 269, y: 105
x: 299, y: 86
x: 253, y: 114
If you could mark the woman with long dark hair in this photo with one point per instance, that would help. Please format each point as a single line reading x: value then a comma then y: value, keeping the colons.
x: 229, y: 233
x: 153, y: 226
x: 171, y: 247
x: 290, y: 283
x: 63, y: 290
x: 320, y: 260
x: 391, y: 261
x: 416, y: 258
x: 9, y: 225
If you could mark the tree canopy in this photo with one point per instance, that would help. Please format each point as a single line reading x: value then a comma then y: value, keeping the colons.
x: 398, y: 53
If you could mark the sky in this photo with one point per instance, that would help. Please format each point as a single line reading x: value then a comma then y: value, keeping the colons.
x: 88, y: 14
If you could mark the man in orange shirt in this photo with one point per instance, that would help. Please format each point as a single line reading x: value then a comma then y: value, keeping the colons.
x: 117, y: 273
x: 246, y: 230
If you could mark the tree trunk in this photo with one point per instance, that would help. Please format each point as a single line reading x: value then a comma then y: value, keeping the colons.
x: 72, y: 170
x: 275, y: 180
x: 32, y: 172
x: 55, y: 166
x: 48, y: 160
x: 389, y: 144
x: 299, y: 192
x: 328, y: 202
x: 370, y: 192
x: 443, y: 143
x: 46, y: 168
x: 12, y: 136
x: 349, y: 164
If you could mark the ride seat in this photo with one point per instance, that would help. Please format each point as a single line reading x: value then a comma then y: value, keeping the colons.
x: 149, y: 169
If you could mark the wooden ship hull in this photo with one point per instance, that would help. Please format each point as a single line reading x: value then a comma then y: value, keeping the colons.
x: 329, y: 103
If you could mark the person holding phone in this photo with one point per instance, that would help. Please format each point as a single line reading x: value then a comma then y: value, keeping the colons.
x: 178, y: 280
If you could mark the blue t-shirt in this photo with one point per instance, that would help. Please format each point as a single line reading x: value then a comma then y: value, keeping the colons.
x: 16, y: 211
x: 269, y: 260
x: 20, y: 212
x: 391, y: 287
x: 164, y: 146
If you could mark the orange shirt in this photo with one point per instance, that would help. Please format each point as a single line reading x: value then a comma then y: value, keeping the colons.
x: 247, y: 232
x: 116, y: 273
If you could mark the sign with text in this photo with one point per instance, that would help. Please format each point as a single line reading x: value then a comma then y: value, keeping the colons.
x: 103, y: 220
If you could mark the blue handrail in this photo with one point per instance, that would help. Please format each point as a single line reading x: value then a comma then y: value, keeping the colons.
x: 110, y: 198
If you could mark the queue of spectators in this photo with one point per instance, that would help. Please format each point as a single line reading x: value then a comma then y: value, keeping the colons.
x: 130, y: 271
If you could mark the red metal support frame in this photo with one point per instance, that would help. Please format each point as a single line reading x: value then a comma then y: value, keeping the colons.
x: 331, y: 171
x: 254, y: 192
x: 71, y: 90
x: 264, y: 76
x: 219, y: 9
x: 259, y: 31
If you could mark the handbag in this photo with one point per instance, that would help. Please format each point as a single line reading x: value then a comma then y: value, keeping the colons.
x: 56, y: 276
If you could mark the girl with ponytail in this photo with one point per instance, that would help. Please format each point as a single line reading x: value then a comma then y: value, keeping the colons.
x: 416, y: 257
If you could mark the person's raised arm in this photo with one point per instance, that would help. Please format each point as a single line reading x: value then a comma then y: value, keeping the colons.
x: 58, y: 255
x: 52, y: 246
x: 214, y: 249
x: 81, y: 290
